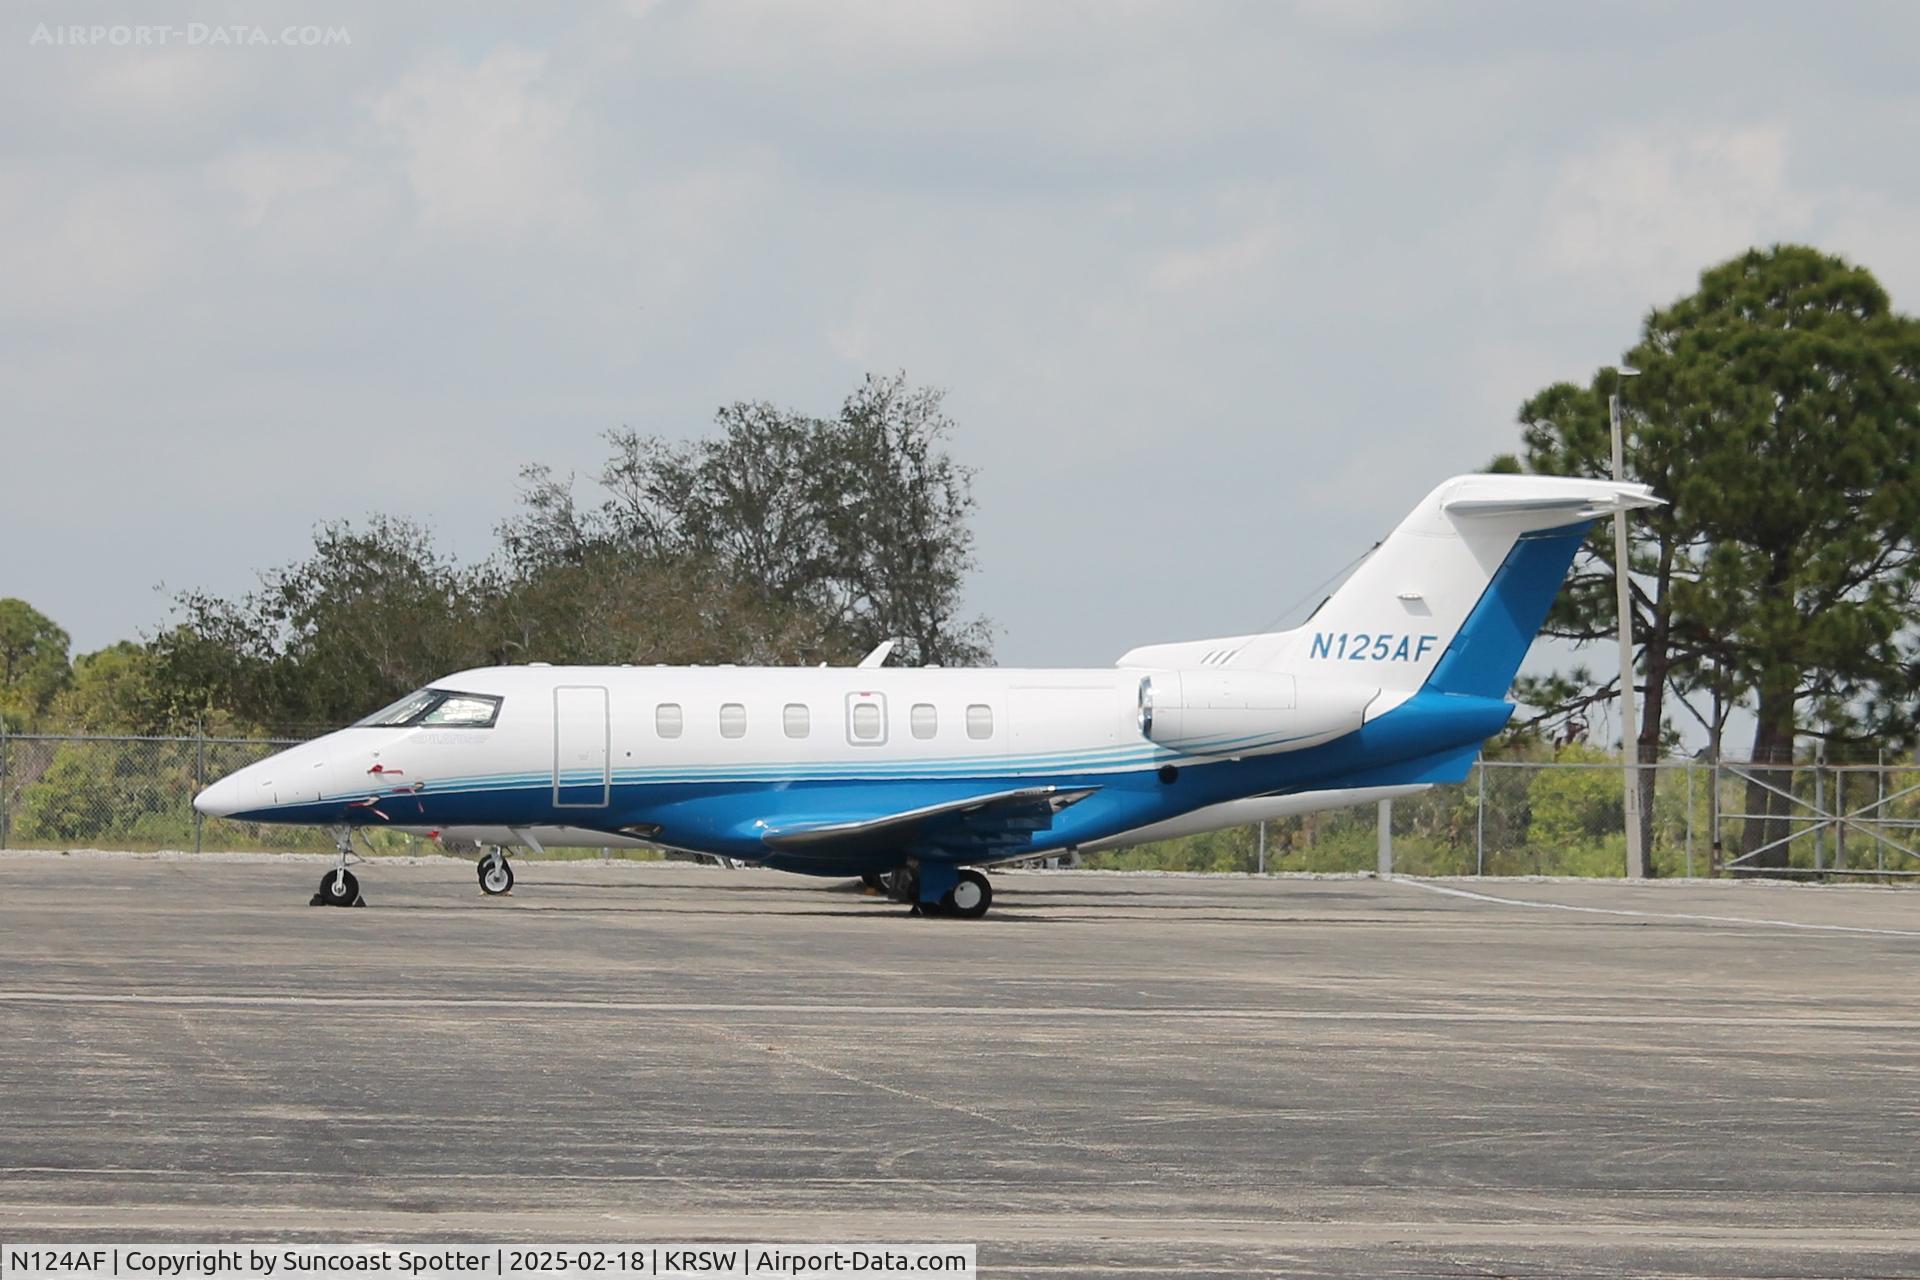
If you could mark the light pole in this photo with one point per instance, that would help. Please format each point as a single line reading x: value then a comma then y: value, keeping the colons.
x: 1629, y: 717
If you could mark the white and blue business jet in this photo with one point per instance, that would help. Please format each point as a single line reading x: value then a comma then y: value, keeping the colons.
x: 924, y: 776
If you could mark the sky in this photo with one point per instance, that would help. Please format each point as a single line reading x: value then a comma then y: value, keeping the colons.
x: 1217, y: 291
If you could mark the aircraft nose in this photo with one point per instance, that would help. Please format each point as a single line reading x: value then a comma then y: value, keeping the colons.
x: 220, y: 799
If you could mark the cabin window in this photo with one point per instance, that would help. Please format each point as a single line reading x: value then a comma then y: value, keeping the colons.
x: 733, y: 720
x: 667, y: 720
x: 979, y: 720
x: 867, y: 719
x: 796, y: 720
x: 924, y: 719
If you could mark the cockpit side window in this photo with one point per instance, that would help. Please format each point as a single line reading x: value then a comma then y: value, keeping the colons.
x: 441, y: 708
x: 469, y: 710
x: 402, y: 712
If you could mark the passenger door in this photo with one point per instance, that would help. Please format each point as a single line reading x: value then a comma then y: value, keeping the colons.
x: 582, y: 755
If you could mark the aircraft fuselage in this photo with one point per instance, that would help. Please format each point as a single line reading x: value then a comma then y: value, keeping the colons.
x: 712, y: 759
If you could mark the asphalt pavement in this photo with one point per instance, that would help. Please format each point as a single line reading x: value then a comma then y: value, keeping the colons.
x: 1111, y: 1074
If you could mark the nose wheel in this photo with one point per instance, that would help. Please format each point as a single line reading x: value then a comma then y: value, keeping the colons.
x: 340, y: 887
x: 496, y: 877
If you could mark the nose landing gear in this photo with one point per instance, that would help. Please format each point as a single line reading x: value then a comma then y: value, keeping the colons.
x: 340, y: 887
x: 496, y: 877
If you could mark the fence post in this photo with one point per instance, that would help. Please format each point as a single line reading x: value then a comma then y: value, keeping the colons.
x: 1840, y: 828
x: 1385, y: 821
x: 199, y: 775
x: 1713, y: 820
x: 6, y: 789
x: 1819, y: 825
x: 1263, y: 846
x: 1879, y: 806
x: 1480, y: 822
x: 1689, y: 819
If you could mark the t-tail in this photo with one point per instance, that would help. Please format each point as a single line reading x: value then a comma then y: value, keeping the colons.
x: 1449, y: 602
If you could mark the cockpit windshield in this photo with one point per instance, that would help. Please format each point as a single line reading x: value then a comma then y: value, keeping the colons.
x: 444, y: 708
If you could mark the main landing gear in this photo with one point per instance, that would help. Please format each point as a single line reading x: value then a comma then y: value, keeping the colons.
x: 496, y: 877
x: 940, y: 891
x: 340, y: 887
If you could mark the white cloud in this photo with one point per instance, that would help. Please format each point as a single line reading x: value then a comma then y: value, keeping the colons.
x: 1225, y: 262
x: 1498, y: 373
x: 1363, y: 17
x: 1636, y: 219
x: 1868, y: 228
x: 261, y: 176
x: 1259, y: 270
x: 1639, y: 215
x: 92, y: 243
x: 490, y: 149
x: 897, y: 39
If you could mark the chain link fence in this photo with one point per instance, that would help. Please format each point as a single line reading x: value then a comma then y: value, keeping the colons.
x: 1509, y: 817
x: 1566, y: 818
x: 1705, y: 818
x: 75, y: 791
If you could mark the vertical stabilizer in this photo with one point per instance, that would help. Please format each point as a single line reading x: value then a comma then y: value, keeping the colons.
x: 1451, y: 599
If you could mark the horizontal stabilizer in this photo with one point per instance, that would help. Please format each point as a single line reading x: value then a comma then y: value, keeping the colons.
x: 1569, y: 508
x: 986, y: 826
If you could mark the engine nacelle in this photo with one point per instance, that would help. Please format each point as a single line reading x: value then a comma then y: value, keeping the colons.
x: 1235, y: 713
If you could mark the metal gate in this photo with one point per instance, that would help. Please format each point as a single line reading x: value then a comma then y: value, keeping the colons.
x: 1861, y: 807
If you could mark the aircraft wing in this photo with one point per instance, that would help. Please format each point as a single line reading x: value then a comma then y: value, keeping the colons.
x: 986, y: 827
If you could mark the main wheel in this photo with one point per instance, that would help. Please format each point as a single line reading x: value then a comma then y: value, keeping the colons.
x: 496, y: 878
x: 970, y: 898
x: 338, y: 889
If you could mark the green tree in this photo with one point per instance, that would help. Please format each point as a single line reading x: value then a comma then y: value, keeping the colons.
x: 1571, y: 808
x: 859, y: 519
x: 1778, y: 411
x: 375, y: 611
x: 113, y: 690
x: 126, y: 792
x: 613, y: 604
x: 783, y: 539
x: 33, y: 662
